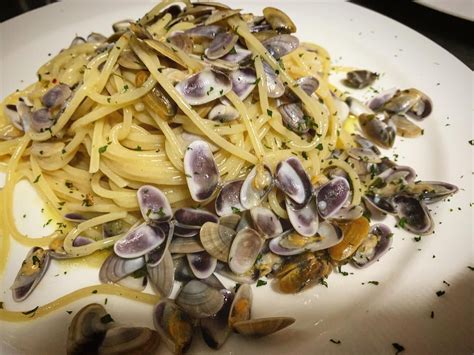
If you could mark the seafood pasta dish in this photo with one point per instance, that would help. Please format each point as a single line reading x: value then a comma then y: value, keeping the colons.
x: 200, y: 146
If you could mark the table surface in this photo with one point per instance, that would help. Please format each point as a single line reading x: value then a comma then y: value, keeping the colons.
x: 448, y: 31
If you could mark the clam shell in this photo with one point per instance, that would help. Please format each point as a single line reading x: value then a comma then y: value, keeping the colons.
x: 215, y: 329
x: 56, y: 96
x: 155, y: 256
x: 228, y: 198
x: 202, y: 175
x: 293, y: 180
x: 250, y: 196
x: 332, y: 196
x: 305, y: 221
x: 194, y: 217
x: 217, y: 240
x: 129, y: 340
x: 161, y: 276
x: 275, y: 87
x: 199, y: 300
x: 244, y: 250
x: 377, y: 243
x: 185, y: 245
x: 243, y: 82
x: 281, y: 45
x: 139, y: 241
x: 230, y: 221
x: 278, y: 20
x: 204, y: 87
x: 221, y: 45
x: 202, y: 264
x: 154, y: 205
x: 415, y: 214
x: 359, y: 79
x: 115, y: 268
x: 263, y: 326
x: 241, y: 307
x: 266, y: 222
x: 379, y: 132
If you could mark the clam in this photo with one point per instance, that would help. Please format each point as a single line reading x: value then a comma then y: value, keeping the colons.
x: 139, y: 241
x: 412, y: 102
x: 305, y: 220
x: 377, y: 102
x: 202, y: 175
x: 346, y: 214
x: 185, y: 245
x: 155, y: 256
x: 223, y: 113
x: 228, y: 198
x: 379, y: 131
x: 256, y: 186
x: 18, y: 120
x: 154, y: 205
x: 77, y: 41
x: 199, y: 300
x: 200, y: 32
x: 379, y: 205
x: 56, y: 96
x: 215, y: 329
x: 129, y: 60
x: 359, y: 79
x: 188, y: 138
x: 292, y: 243
x: 115, y: 268
x: 243, y: 81
x: 430, y: 191
x: 220, y: 15
x: 78, y: 217
x: 95, y: 37
x: 268, y: 263
x: 293, y: 180
x: 250, y: 277
x: 377, y: 243
x: 357, y: 107
x: 275, y: 87
x: 309, y: 84
x: 182, y: 41
x: 365, y: 155
x: 185, y: 231
x: 230, y: 221
x: 241, y: 307
x: 354, y: 234
x: 266, y: 222
x: 217, y: 240
x: 41, y: 120
x: 240, y: 55
x: 281, y: 45
x: 263, y: 326
x: 244, y: 250
x: 121, y: 26
x: 161, y: 276
x: 174, y: 326
x: 202, y: 264
x: 413, y: 215
x: 194, y: 216
x: 365, y: 144
x: 80, y: 241
x: 129, y: 340
x: 160, y: 102
x: 31, y: 272
x: 221, y: 45
x: 294, y: 118
x: 137, y: 281
x: 301, y: 271
x: 332, y: 196
x: 279, y: 21
x: 422, y: 108
x: 405, y: 128
x: 87, y: 329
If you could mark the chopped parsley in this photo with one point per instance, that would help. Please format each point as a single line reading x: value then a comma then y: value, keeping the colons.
x: 305, y: 155
x: 211, y: 89
x: 105, y: 301
x: 69, y: 184
x: 343, y: 273
x: 87, y: 201
x: 235, y: 209
x: 417, y: 239
x: 471, y: 268
x: 269, y: 112
x: 471, y: 142
x: 432, y: 315
x: 94, y: 292
x: 256, y: 81
x: 106, y: 319
x: 323, y: 282
x: 103, y: 149
x: 47, y: 223
x: 335, y: 341
x: 261, y: 283
x: 35, y: 260
x: 236, y: 287
x: 376, y: 283
x: 440, y: 293
x: 160, y: 212
x: 398, y: 347
x: 402, y: 222
x: 138, y: 148
x: 68, y: 312
x: 125, y: 88
x: 319, y: 146
x: 37, y: 179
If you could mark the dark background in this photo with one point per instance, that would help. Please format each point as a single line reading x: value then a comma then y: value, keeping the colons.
x: 450, y: 32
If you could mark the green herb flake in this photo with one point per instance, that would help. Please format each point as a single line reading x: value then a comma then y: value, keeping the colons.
x: 324, y: 283
x: 417, y: 239
x: 256, y: 81
x: 402, y: 222
x: 106, y: 319
x: 160, y: 212
x: 319, y: 146
x: 236, y: 287
x: 108, y: 100
x: 376, y: 283
x: 471, y: 268
x: 125, y: 88
x: 343, y: 273
x: 471, y: 142
x: 47, y: 223
x: 37, y: 179
x: 261, y: 283
x: 105, y: 301
x: 103, y: 149
x: 68, y: 312
x: 440, y: 293
x: 432, y: 315
x: 399, y: 348
x: 211, y: 89
x: 269, y: 112
x: 94, y: 292
x: 334, y: 341
x: 305, y: 155
x: 235, y: 209
x: 1, y: 305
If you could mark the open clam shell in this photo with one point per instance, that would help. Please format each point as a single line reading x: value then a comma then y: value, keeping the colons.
x: 115, y: 268
x: 161, y: 276
x: 185, y: 245
x: 413, y: 215
x: 221, y: 45
x: 228, y: 198
x: 243, y: 81
x: 217, y: 240
x: 202, y: 175
x: 199, y: 300
x: 281, y: 45
x: 377, y: 243
x: 266, y: 222
x: 256, y: 186
x: 241, y: 307
x: 202, y: 264
x: 332, y: 196
x: 305, y: 221
x: 262, y: 326
x: 215, y: 329
x: 155, y: 256
x: 194, y: 216
x: 129, y: 340
x: 204, y: 86
x: 32, y: 270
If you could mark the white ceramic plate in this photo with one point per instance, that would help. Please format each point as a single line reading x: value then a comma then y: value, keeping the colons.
x: 365, y: 318
x: 459, y: 8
